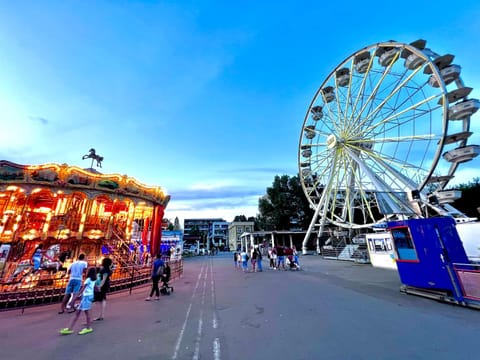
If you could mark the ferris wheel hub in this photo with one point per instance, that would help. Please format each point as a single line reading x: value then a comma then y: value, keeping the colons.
x: 331, y: 141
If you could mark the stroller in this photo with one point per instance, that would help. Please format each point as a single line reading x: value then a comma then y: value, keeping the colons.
x: 166, y: 289
x: 292, y: 265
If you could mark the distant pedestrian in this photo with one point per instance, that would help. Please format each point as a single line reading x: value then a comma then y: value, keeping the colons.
x: 235, y: 260
x: 295, y: 257
x: 281, y: 257
x: 157, y: 271
x: 76, y: 271
x: 253, y: 260
x: 273, y: 258
x: 101, y: 296
x: 86, y: 296
x: 244, y: 257
x: 259, y: 258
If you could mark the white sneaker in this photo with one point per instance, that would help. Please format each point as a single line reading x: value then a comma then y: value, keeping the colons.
x: 148, y: 299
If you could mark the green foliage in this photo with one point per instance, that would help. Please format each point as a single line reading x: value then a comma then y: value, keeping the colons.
x: 469, y: 203
x: 240, y: 218
x: 284, y: 206
x: 195, y: 231
x: 176, y: 224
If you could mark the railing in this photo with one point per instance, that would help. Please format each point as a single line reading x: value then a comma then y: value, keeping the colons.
x: 352, y: 252
x: 51, y: 288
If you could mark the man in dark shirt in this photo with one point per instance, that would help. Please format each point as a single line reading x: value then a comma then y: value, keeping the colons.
x: 157, y: 271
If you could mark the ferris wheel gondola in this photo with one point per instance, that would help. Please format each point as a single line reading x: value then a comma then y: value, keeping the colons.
x: 382, y: 135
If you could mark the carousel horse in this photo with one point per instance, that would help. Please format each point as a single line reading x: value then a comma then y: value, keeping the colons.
x: 94, y: 156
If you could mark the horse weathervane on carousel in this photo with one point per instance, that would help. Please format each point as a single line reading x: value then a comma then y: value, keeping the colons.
x: 94, y: 156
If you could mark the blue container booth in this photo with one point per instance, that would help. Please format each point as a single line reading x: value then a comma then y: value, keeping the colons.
x: 432, y: 262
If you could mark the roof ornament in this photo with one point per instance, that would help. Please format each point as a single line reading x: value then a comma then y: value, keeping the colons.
x: 94, y: 156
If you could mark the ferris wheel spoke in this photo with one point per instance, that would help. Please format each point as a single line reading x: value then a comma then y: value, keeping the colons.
x: 323, y: 167
x: 396, y: 175
x: 359, y: 182
x: 377, y: 181
x: 403, y: 111
x: 394, y: 93
x: 412, y: 114
x: 332, y: 125
x: 359, y: 101
x: 361, y: 90
x: 404, y: 120
x: 410, y: 138
x: 347, y: 213
x: 377, y: 87
x: 395, y: 166
x: 349, y: 184
x: 349, y: 92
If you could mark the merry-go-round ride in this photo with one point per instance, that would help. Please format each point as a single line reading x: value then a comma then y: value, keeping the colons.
x: 382, y: 137
x: 62, y: 211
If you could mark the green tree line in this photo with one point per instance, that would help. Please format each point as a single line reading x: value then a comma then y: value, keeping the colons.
x: 285, y: 206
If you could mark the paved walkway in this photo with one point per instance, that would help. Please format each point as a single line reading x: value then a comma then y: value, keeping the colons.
x: 329, y: 310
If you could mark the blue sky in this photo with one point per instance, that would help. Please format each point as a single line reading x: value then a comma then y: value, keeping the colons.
x: 203, y: 98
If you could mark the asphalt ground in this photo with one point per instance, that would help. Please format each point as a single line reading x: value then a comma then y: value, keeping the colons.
x: 328, y: 310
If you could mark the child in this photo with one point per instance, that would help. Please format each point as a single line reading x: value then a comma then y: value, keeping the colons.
x: 85, y: 304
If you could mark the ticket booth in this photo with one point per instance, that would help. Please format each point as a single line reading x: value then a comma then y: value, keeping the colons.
x: 431, y: 260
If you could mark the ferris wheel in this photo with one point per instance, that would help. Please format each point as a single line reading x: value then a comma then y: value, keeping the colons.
x: 383, y: 136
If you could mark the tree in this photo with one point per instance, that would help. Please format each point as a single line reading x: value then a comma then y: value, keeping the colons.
x: 284, y: 206
x: 240, y: 218
x: 469, y: 203
x: 176, y: 224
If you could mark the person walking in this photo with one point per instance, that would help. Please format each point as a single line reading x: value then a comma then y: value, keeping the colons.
x: 157, y: 272
x: 295, y: 258
x: 235, y: 258
x: 259, y: 258
x: 244, y: 257
x: 253, y: 260
x: 86, y: 292
x: 101, y: 296
x: 281, y: 257
x: 74, y: 284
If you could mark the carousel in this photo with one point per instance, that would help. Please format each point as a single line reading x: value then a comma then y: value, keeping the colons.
x: 51, y: 213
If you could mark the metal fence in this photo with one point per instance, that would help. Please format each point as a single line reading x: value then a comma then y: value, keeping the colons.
x: 51, y: 289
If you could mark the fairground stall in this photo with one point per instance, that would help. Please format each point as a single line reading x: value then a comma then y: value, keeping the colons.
x: 61, y: 211
x: 432, y: 261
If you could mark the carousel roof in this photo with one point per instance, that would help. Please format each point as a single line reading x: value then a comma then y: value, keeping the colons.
x: 72, y: 177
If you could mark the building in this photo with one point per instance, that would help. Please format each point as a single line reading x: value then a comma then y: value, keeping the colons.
x: 235, y: 230
x: 218, y: 234
x: 208, y: 232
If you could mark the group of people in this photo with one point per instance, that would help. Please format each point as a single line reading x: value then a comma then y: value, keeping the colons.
x: 280, y: 257
x: 93, y: 288
x: 241, y: 258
